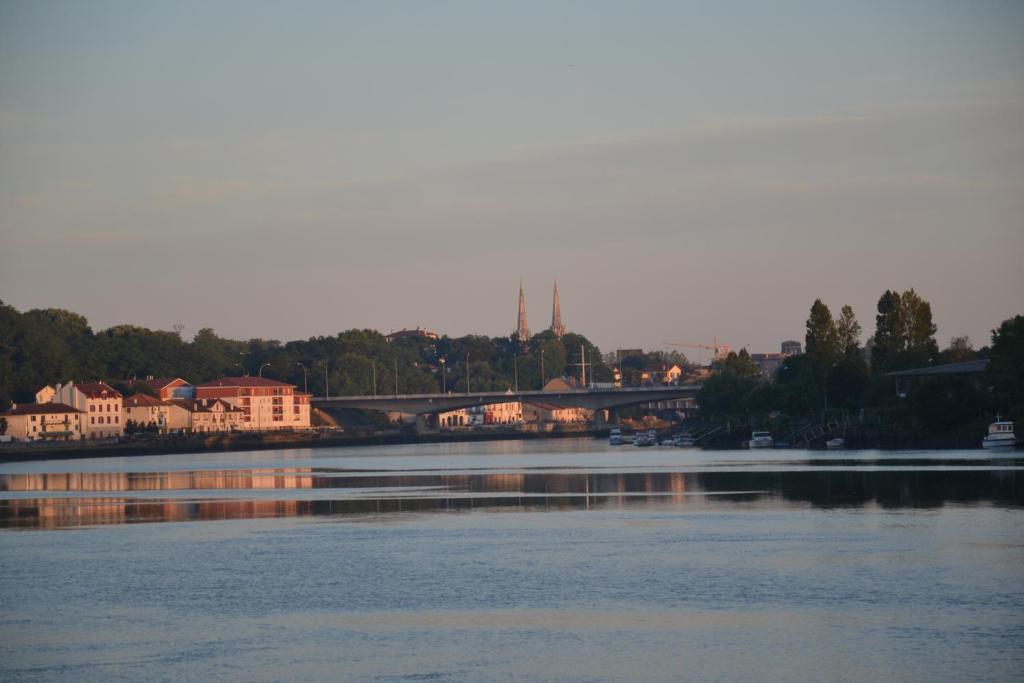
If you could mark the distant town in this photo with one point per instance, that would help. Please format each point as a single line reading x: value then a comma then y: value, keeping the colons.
x: 67, y: 383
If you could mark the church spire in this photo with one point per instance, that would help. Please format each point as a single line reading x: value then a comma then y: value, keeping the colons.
x: 522, y: 330
x: 556, y: 315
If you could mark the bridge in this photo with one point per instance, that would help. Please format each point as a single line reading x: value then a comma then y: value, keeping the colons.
x: 591, y: 399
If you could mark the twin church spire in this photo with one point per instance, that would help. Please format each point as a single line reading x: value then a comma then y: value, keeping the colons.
x: 522, y: 328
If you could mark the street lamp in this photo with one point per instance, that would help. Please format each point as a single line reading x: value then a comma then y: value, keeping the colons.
x: 444, y: 378
x: 467, y: 373
x: 305, y: 382
x: 260, y: 373
x: 542, y: 377
x: 515, y: 371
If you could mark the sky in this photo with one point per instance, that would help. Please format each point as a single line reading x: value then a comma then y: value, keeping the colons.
x: 688, y: 171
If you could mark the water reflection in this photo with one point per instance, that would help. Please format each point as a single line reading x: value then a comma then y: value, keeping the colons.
x: 88, y: 498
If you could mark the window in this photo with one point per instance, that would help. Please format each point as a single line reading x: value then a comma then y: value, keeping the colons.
x: 92, y: 409
x: 33, y: 418
x: 116, y: 419
x: 108, y: 419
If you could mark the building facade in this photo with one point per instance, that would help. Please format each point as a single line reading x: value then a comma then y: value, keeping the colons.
x: 266, y: 404
x: 43, y: 422
x: 144, y: 411
x: 101, y: 404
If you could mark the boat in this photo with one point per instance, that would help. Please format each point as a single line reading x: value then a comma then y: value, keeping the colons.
x: 761, y: 440
x: 615, y: 438
x: 835, y: 444
x: 646, y: 438
x: 1000, y: 435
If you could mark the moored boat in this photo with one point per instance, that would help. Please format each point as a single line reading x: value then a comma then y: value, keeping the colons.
x: 1000, y: 435
x: 835, y: 444
x: 761, y: 440
x: 615, y: 438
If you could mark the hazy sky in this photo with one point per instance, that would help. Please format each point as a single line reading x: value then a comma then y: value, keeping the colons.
x: 686, y: 170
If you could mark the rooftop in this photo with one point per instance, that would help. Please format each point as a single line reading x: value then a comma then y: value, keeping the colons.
x: 40, y: 409
x: 971, y: 367
x: 244, y: 382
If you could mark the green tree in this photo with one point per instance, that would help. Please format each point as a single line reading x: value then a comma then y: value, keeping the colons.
x: 847, y: 333
x: 1006, y: 366
x: 887, y: 343
x: 820, y: 341
x: 960, y: 350
x: 904, y: 332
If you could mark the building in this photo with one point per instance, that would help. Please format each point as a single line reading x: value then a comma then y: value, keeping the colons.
x: 101, y: 403
x: 538, y: 411
x: 143, y: 410
x: 43, y: 422
x: 417, y: 333
x: 266, y: 404
x: 522, y: 333
x: 791, y: 348
x: 168, y: 388
x: 556, y: 315
x: 768, y: 363
x: 211, y: 415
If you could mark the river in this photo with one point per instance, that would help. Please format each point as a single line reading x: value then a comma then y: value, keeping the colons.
x: 565, y: 559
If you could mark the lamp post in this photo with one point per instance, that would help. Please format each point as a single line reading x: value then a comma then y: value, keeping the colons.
x: 260, y: 373
x: 467, y: 373
x: 327, y: 385
x: 444, y: 379
x: 305, y: 382
x: 396, y: 377
x: 542, y: 377
x: 515, y: 370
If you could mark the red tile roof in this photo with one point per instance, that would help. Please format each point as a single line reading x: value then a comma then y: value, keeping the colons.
x: 139, y: 400
x: 40, y: 409
x: 96, y: 389
x: 159, y: 383
x: 244, y: 382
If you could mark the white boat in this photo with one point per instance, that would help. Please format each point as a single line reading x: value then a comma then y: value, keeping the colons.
x: 615, y: 438
x: 1000, y: 435
x: 834, y: 444
x: 761, y: 440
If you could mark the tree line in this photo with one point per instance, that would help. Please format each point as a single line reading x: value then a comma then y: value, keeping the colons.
x: 839, y: 378
x: 44, y: 346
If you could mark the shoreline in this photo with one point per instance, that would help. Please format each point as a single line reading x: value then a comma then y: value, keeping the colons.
x: 270, y: 441
x: 227, y: 443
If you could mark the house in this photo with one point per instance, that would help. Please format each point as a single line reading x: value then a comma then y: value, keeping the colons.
x: 143, y: 410
x: 44, y: 422
x: 101, y: 403
x: 266, y: 404
x: 169, y: 387
x: 510, y: 412
x: 210, y: 415
x: 538, y: 411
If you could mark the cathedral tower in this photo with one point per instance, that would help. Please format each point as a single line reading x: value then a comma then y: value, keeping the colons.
x: 556, y: 316
x: 522, y: 330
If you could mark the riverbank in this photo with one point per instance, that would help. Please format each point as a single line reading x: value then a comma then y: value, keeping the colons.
x: 222, y: 443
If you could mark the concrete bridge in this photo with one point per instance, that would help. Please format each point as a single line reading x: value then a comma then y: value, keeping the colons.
x: 591, y: 399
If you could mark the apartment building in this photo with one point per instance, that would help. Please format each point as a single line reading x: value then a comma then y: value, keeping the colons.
x: 43, y: 422
x: 101, y: 404
x: 266, y: 404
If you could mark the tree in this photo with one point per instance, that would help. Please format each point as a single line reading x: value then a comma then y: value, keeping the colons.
x: 821, y: 344
x: 3, y: 425
x: 904, y: 332
x: 887, y: 342
x: 847, y: 332
x: 1006, y: 364
x: 918, y: 330
x: 960, y: 350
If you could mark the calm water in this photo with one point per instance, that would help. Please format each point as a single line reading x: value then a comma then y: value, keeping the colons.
x: 564, y: 560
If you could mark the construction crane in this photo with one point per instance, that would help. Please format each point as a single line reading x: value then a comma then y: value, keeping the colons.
x: 721, y: 350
